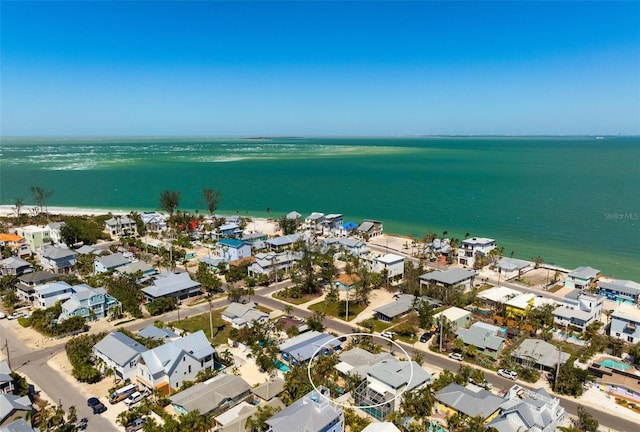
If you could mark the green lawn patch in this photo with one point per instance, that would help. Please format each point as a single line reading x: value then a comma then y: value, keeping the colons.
x: 338, y: 309
x: 297, y: 301
x: 221, y: 328
x: 378, y: 326
x: 555, y: 288
x: 264, y: 309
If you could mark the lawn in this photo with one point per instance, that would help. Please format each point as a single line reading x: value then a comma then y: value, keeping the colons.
x: 338, y: 309
x: 378, y: 326
x: 264, y: 309
x: 297, y: 301
x: 201, y: 322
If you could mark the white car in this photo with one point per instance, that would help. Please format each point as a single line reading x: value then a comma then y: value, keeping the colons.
x: 456, y: 356
x: 133, y: 399
x: 506, y: 373
x: 387, y: 334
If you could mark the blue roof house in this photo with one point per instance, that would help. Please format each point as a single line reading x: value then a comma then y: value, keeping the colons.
x: 233, y: 249
x: 89, y: 303
x: 301, y: 348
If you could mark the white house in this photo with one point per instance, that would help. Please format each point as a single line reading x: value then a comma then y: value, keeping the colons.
x: 530, y: 410
x: 48, y: 294
x: 472, y: 246
x: 391, y: 263
x: 579, y: 309
x: 119, y: 226
x: 154, y: 221
x: 625, y: 323
x: 242, y: 315
x: 313, y: 412
x: 109, y: 262
x: 120, y: 353
x: 314, y: 221
x: 168, y: 366
x: 271, y: 262
x: 55, y: 231
x: 177, y: 285
x: 452, y: 278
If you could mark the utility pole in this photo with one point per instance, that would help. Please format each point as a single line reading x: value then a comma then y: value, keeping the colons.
x: 441, y: 328
x: 555, y: 382
x: 6, y: 346
x: 210, y: 316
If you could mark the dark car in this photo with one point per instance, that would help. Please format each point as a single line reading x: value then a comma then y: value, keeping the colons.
x: 96, y: 406
x: 425, y: 337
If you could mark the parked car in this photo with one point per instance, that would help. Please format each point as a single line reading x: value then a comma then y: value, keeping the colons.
x: 96, y: 406
x: 484, y: 384
x: 2, y: 315
x: 133, y: 399
x: 135, y: 425
x: 16, y: 315
x: 506, y: 373
x: 387, y: 334
x: 425, y: 337
x: 456, y: 356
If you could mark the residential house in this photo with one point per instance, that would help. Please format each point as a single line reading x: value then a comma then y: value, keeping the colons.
x: 457, y: 317
x: 455, y: 278
x: 235, y: 419
x: 471, y: 401
x: 14, y: 407
x: 58, y: 259
x: 357, y: 361
x: 616, y: 378
x: 302, y: 348
x: 347, y: 229
x: 212, y: 396
x: 136, y: 267
x: 331, y: 224
x: 286, y: 323
x: 55, y: 232
x: 89, y: 303
x: 243, y: 315
x: 228, y: 230
x: 538, y: 354
x: 233, y: 249
x: 582, y: 278
x: 313, y: 222
x: 120, y: 353
x: 6, y: 380
x: 509, y: 268
x: 34, y: 236
x: 381, y: 427
x: 154, y: 221
x: 625, y: 323
x: 518, y: 306
x: 168, y: 366
x: 474, y: 246
x: 533, y: 410
x: 153, y: 332
x: 19, y: 425
x: 269, y: 390
x: 389, y: 265
x: 294, y: 215
x: 313, y: 412
x: 176, y: 285
x: 49, y: 294
x: 16, y: 243
x: 370, y: 229
x: 109, y: 263
x: 275, y: 263
x: 121, y: 226
x: 381, y: 393
x: 488, y: 339
x: 497, y: 295
x: 353, y: 246
x: 27, y: 283
x: 89, y: 250
x: 346, y: 282
x: 619, y: 290
x: 400, y: 306
x: 255, y: 239
x: 579, y: 309
x: 282, y: 242
x: 14, y: 266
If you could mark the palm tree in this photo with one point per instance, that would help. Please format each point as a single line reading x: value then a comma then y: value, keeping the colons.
x: 288, y: 310
x: 169, y: 201
x: 212, y: 199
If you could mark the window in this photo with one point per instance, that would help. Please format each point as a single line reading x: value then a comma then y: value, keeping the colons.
x: 630, y: 339
x: 189, y: 368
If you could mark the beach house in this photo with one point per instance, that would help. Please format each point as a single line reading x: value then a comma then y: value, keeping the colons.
x: 230, y: 249
x: 471, y: 401
x: 34, y: 236
x: 282, y: 242
x: 625, y: 323
x: 212, y: 396
x: 120, y: 353
x: 509, y: 268
x: 58, y: 259
x: 533, y: 410
x: 370, y: 229
x: 228, y: 230
x: 14, y: 266
x: 518, y: 306
x: 90, y: 303
x: 313, y: 412
x: 357, y: 361
x: 538, y: 354
x: 111, y: 262
x: 179, y: 286
x: 497, y: 295
x: 27, y: 283
x: 402, y: 305
x: 455, y: 278
x: 13, y: 408
x: 579, y: 309
x: 619, y: 290
x: 313, y: 222
x: 381, y: 393
x: 273, y: 263
x: 55, y: 231
x: 474, y: 246
x: 301, y: 348
x: 391, y: 265
x: 121, y: 226
x: 244, y: 315
x: 456, y: 316
x: 582, y: 278
x: 49, y: 294
x: 488, y: 339
x: 153, y: 221
x: 168, y: 366
x: 331, y: 224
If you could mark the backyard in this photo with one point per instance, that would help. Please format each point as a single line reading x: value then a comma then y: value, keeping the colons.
x: 338, y: 309
x: 201, y: 322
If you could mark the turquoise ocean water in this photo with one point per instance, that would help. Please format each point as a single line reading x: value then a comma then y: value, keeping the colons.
x: 572, y: 200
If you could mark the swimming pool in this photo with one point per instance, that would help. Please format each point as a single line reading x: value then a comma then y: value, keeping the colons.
x: 435, y: 426
x: 280, y: 365
x: 613, y: 364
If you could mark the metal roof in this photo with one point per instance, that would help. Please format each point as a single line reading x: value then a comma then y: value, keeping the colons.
x: 209, y: 395
x: 119, y: 347
x: 468, y: 401
x: 449, y: 277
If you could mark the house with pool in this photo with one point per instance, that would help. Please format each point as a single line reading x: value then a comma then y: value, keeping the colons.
x: 302, y: 348
x: 616, y: 378
x: 621, y: 291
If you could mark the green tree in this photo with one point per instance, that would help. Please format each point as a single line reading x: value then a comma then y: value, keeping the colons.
x: 586, y: 422
x: 288, y: 226
x: 257, y: 422
x: 315, y: 321
x: 169, y: 201
x: 212, y: 199
x: 209, y: 282
x: 41, y: 197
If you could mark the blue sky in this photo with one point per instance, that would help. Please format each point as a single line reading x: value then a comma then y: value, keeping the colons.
x: 319, y: 68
